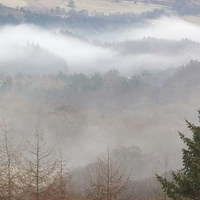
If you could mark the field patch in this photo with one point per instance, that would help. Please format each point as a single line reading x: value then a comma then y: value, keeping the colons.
x: 101, y: 6
x: 107, y: 7
x: 14, y: 3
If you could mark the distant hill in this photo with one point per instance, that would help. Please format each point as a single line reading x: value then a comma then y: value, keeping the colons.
x: 98, y: 5
x: 106, y: 7
x: 31, y: 59
x: 92, y: 6
x: 156, y: 46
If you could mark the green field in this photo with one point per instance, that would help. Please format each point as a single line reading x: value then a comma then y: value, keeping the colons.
x: 103, y: 6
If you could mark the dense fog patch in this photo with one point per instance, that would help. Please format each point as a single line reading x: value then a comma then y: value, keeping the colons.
x: 171, y: 28
x: 87, y: 57
x: 83, y: 114
x: 75, y: 52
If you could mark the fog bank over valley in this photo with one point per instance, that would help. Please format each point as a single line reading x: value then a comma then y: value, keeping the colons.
x: 127, y: 53
x: 128, y: 90
x: 170, y: 28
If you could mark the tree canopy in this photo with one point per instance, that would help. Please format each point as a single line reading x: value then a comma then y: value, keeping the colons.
x: 185, y: 184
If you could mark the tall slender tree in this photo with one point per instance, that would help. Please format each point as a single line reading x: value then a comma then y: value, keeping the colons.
x: 10, y: 157
x: 62, y: 187
x: 40, y: 168
x: 108, y: 183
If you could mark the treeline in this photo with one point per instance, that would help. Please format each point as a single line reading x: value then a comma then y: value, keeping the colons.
x: 154, y: 46
x: 60, y: 18
x: 79, y: 89
x: 115, y: 89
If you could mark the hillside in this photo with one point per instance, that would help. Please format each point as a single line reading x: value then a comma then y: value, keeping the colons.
x: 101, y: 6
x: 188, y: 9
x: 120, y: 5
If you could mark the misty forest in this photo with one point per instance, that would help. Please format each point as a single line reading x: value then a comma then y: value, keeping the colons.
x: 99, y: 99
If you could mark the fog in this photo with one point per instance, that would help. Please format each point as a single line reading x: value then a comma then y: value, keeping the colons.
x: 171, y: 28
x: 65, y: 47
x: 87, y: 57
x: 82, y: 132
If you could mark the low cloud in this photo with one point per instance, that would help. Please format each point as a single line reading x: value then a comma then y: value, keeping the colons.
x: 86, y: 57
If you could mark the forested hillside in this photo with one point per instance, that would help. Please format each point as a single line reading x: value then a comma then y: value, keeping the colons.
x: 93, y: 94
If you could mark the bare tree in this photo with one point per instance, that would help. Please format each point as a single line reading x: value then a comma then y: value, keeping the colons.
x: 62, y: 187
x: 9, y: 166
x: 108, y: 183
x: 39, y: 169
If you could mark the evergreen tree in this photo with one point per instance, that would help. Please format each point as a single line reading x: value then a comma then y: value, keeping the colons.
x: 185, y: 184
